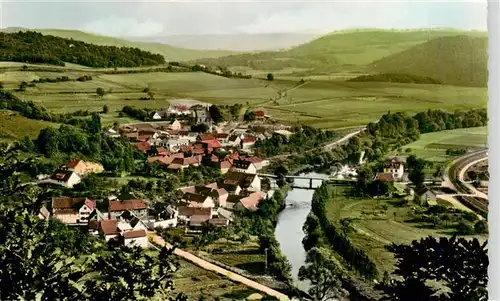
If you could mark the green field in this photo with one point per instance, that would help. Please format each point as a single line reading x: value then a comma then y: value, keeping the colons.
x: 321, y: 103
x: 433, y: 146
x: 14, y: 126
x: 375, y: 227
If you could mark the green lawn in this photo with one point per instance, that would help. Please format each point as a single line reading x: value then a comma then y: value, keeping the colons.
x: 375, y: 227
x: 433, y: 146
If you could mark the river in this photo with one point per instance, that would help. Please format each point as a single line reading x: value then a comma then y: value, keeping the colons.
x: 290, y: 221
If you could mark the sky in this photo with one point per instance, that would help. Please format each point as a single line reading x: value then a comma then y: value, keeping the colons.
x: 143, y: 18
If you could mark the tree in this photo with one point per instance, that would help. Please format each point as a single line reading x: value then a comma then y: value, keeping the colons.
x: 270, y: 76
x: 200, y: 128
x: 151, y: 95
x: 105, y: 109
x: 416, y: 170
x: 100, y: 92
x: 1, y: 85
x: 249, y: 115
x: 481, y: 227
x: 27, y: 144
x: 22, y: 86
x: 459, y: 265
x: 464, y: 228
x: 324, y: 275
x: 46, y: 260
x: 216, y: 114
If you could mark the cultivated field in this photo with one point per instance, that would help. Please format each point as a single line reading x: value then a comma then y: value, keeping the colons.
x: 13, y: 126
x: 380, y: 222
x: 323, y: 102
x: 433, y: 146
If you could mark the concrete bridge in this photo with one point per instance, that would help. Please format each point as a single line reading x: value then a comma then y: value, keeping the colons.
x: 310, y: 178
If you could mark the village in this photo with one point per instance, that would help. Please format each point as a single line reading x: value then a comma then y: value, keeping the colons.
x: 227, y: 148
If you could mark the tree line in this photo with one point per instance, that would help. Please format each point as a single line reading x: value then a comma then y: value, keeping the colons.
x: 33, y: 47
x: 318, y: 223
x: 303, y: 140
x: 395, y: 78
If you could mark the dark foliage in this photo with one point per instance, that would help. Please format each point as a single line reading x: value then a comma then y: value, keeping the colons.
x: 395, y: 78
x: 460, y: 265
x: 33, y: 47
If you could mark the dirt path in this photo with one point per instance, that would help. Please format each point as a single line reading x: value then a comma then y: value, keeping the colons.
x: 214, y: 268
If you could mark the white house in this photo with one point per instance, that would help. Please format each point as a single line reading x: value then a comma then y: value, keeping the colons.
x: 72, y: 210
x: 134, y: 238
x: 395, y: 167
x: 244, y: 166
x: 250, y: 182
x: 63, y: 178
x: 111, y: 133
x: 156, y: 116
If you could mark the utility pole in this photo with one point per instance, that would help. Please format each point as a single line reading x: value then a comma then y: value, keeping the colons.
x: 265, y: 252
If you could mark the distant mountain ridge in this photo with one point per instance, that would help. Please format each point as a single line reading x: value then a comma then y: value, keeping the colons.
x: 170, y: 53
x: 233, y: 42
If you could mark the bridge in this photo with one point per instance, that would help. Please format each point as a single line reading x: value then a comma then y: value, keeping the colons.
x: 310, y: 178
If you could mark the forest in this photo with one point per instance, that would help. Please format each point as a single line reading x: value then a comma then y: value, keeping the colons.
x: 33, y: 47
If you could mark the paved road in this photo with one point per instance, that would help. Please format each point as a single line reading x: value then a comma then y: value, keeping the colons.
x: 214, y: 268
x: 471, y: 187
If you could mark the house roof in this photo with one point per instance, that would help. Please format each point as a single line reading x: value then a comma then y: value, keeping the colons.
x: 241, y: 164
x: 254, y: 160
x: 198, y: 220
x: 251, y: 201
x: 387, y: 177
x: 259, y: 113
x: 72, y: 163
x: 212, y: 185
x: 142, y: 146
x: 44, y: 212
x: 195, y: 197
x: 190, y: 211
x: 59, y: 203
x: 225, y: 164
x: 165, y: 160
x: 109, y: 227
x: 248, y: 139
x: 127, y: 205
x: 62, y: 176
x: 135, y: 234
x: 212, y: 143
x: 219, y: 222
x: 239, y: 178
x: 225, y: 214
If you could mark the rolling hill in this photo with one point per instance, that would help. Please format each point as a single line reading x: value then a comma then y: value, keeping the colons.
x: 234, y: 42
x: 457, y: 60
x: 170, y: 53
x: 343, y: 50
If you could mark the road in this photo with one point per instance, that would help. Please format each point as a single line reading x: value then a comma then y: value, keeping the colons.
x: 324, y: 147
x: 454, y: 179
x: 214, y: 268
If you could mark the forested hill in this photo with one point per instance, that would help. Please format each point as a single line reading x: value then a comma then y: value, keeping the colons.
x: 454, y: 60
x: 33, y: 47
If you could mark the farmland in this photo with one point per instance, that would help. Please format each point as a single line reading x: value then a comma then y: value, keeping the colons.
x: 13, y: 126
x: 433, y: 146
x: 327, y: 104
x: 376, y: 223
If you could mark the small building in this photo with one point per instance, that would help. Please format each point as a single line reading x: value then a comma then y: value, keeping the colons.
x: 175, y: 125
x: 83, y: 168
x: 141, y: 146
x: 135, y: 238
x: 72, y: 211
x: 198, y: 200
x: 224, y: 166
x: 250, y: 182
x: 156, y: 116
x: 109, y: 229
x: 63, y: 178
x: 427, y: 197
x: 260, y: 114
x: 244, y: 166
x: 137, y: 207
x: 185, y: 213
x: 249, y: 202
x: 182, y: 163
x: 384, y: 177
x: 396, y: 167
x: 111, y: 133
x: 248, y: 142
x: 43, y: 213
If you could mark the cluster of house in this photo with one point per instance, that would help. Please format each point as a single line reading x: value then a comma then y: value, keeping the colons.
x: 71, y: 173
x: 130, y: 220
x: 176, y: 147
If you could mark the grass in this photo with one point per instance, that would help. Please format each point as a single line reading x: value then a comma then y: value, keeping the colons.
x: 13, y: 126
x: 433, y: 146
x: 196, y: 282
x: 374, y: 227
x: 170, y: 53
x: 328, y: 104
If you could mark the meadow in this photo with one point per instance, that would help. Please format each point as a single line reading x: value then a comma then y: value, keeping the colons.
x: 13, y: 126
x: 433, y: 146
x: 323, y: 102
x: 376, y: 223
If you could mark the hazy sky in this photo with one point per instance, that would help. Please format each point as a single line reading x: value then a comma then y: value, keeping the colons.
x: 148, y: 18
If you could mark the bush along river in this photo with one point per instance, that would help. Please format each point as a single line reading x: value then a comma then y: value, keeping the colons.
x: 290, y: 221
